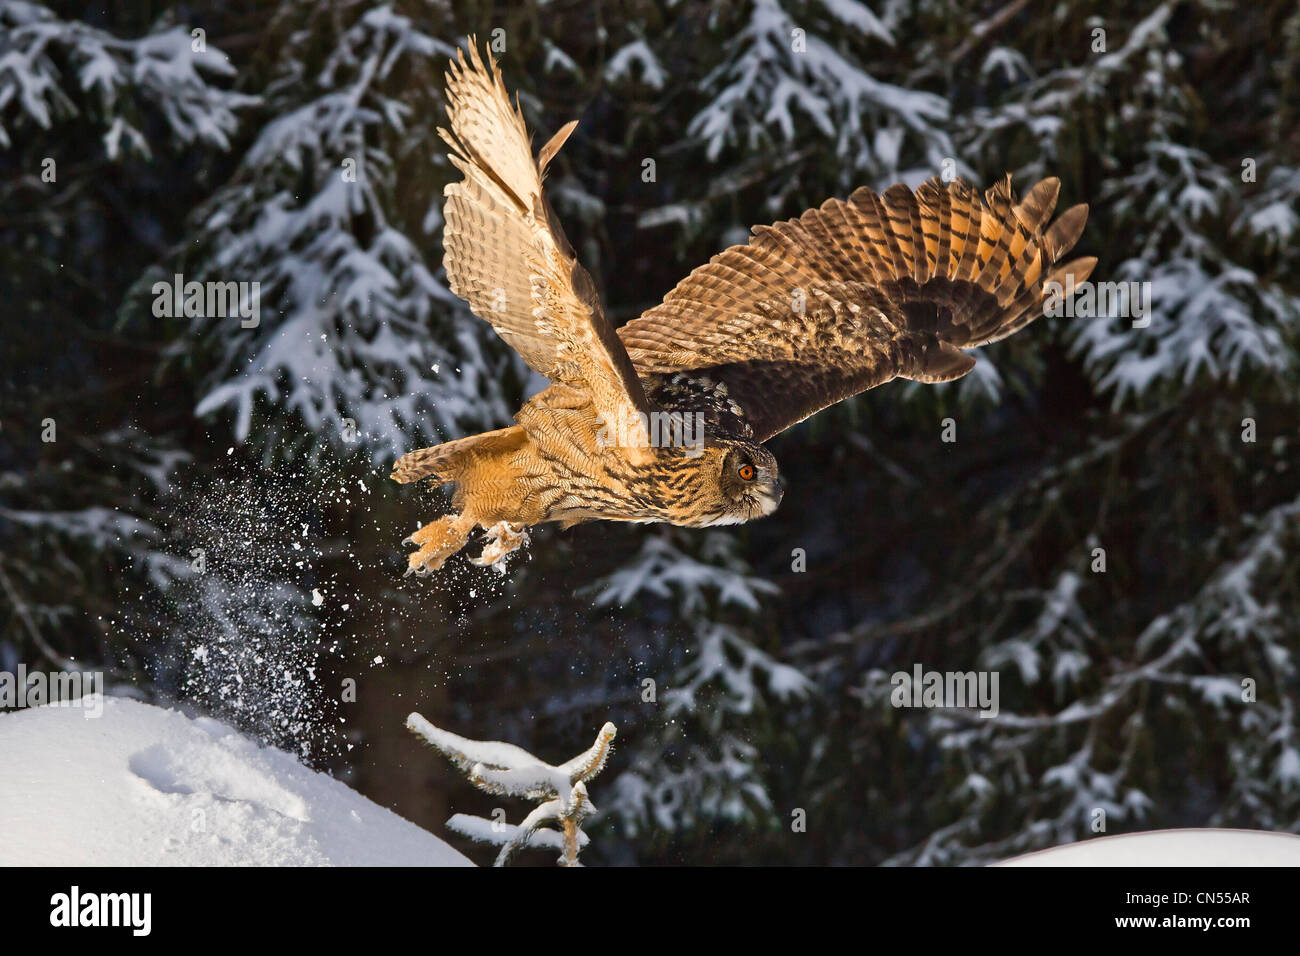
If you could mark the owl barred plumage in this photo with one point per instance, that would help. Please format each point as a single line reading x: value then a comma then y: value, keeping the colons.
x: 810, y: 311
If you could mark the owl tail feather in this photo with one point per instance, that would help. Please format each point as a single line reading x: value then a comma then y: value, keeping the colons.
x: 448, y: 461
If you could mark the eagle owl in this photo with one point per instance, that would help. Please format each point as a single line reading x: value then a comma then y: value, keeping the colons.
x: 664, y: 419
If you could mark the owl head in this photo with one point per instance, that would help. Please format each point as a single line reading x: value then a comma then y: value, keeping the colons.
x: 748, y: 481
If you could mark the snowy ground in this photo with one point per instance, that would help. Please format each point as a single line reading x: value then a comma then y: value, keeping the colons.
x: 141, y: 785
x: 1173, y: 848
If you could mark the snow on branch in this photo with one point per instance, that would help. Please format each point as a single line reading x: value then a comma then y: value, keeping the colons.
x: 773, y: 87
x: 52, y: 70
x: 1071, y: 760
x: 665, y: 570
x: 357, y: 339
x: 506, y: 770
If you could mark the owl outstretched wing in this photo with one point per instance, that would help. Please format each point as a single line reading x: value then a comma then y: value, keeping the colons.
x: 506, y: 254
x: 857, y: 292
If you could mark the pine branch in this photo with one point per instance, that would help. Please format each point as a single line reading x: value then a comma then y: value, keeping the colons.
x: 506, y: 770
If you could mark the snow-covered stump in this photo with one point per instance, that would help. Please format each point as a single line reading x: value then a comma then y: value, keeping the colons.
x: 506, y: 770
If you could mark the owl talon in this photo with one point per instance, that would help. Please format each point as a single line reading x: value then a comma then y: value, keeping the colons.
x: 438, y: 540
x: 503, y: 540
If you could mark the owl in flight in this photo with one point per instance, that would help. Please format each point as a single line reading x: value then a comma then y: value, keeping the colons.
x: 664, y: 419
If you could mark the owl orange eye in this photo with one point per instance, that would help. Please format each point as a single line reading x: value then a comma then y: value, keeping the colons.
x: 747, y: 472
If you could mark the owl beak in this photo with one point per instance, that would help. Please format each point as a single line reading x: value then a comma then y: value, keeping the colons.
x: 771, y: 498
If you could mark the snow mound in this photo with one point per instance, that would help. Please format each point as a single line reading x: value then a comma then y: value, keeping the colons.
x: 1173, y: 848
x: 142, y: 786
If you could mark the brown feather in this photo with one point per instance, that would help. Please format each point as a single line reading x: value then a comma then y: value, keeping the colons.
x: 506, y: 254
x: 867, y: 316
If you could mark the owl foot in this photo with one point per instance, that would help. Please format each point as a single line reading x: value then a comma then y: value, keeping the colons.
x: 438, y: 541
x: 503, y: 540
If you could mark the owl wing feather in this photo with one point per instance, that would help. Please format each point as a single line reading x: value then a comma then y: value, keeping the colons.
x: 857, y: 292
x: 506, y: 254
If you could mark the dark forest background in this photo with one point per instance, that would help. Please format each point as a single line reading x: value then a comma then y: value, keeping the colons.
x: 1115, y: 530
